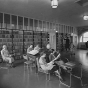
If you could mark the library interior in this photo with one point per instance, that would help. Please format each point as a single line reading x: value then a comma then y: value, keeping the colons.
x: 43, y: 43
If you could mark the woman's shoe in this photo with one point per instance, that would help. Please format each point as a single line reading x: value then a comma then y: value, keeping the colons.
x: 58, y: 75
x: 11, y: 65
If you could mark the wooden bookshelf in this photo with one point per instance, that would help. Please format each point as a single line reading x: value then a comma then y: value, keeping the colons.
x: 5, y: 39
x: 60, y: 40
x: 45, y: 39
x: 27, y: 39
x: 17, y: 41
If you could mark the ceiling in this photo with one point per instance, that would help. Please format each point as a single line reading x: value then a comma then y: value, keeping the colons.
x: 68, y: 12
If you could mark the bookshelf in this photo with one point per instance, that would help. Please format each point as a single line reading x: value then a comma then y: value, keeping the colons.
x: 17, y: 41
x: 27, y: 39
x: 45, y: 39
x: 37, y: 38
x: 5, y: 39
x: 18, y: 32
x: 60, y: 40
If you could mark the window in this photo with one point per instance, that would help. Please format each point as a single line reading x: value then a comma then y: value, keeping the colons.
x: 7, y: 21
x: 25, y: 23
x: 1, y: 19
x: 35, y: 25
x: 14, y: 22
x: 31, y: 24
x: 85, y: 34
x: 84, y: 37
x: 20, y: 22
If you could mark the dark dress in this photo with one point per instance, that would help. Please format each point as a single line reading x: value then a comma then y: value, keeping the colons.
x: 48, y: 52
x: 67, y: 44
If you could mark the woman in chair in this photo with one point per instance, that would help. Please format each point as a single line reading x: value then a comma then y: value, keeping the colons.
x: 6, y: 56
x: 48, y: 52
x: 49, y: 66
x: 34, y: 53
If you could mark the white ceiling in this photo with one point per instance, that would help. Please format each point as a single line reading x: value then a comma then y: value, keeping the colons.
x: 68, y: 12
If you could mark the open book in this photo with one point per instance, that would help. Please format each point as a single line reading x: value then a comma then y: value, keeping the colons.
x: 34, y: 52
x: 56, y: 58
x: 70, y: 64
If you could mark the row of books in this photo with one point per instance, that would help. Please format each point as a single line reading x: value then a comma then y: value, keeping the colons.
x: 20, y: 40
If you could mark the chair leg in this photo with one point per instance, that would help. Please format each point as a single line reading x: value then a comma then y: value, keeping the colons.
x: 30, y: 68
x: 48, y: 77
x: 25, y: 66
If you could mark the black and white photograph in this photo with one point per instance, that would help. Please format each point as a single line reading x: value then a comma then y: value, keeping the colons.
x: 43, y: 43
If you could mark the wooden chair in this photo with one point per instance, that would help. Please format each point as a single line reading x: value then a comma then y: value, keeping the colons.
x: 6, y: 65
x: 39, y: 69
x: 28, y: 63
x: 4, y: 59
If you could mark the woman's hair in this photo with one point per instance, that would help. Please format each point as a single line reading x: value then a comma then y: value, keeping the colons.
x: 4, y: 46
x: 48, y: 46
x: 53, y: 50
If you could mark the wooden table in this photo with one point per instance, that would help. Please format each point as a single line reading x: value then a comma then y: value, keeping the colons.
x: 69, y: 66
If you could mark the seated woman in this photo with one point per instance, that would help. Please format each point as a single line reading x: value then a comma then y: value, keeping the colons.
x: 48, y: 52
x: 34, y: 53
x: 6, y: 56
x: 49, y: 66
x: 30, y: 48
x: 53, y: 55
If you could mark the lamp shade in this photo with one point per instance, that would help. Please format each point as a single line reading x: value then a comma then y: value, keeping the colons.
x: 54, y: 3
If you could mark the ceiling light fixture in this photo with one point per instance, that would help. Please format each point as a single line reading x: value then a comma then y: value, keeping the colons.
x: 54, y: 3
x: 85, y: 17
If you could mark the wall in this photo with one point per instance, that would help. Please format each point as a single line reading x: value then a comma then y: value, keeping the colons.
x: 11, y: 21
x: 75, y: 40
x: 52, y: 40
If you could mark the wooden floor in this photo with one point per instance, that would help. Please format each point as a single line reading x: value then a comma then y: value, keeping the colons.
x: 19, y: 77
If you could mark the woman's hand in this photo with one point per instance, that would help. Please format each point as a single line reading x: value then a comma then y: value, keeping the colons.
x: 52, y: 62
x: 10, y: 55
x: 59, y: 55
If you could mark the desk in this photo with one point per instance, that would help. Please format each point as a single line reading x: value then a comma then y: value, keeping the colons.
x: 69, y: 66
x: 33, y: 52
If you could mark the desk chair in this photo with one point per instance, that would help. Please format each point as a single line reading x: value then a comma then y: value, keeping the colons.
x: 39, y: 69
x: 70, y: 66
x: 28, y: 63
x: 69, y: 69
x: 81, y: 76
